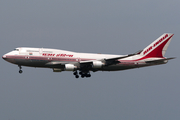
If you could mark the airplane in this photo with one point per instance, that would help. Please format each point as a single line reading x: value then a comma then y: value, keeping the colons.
x: 81, y: 64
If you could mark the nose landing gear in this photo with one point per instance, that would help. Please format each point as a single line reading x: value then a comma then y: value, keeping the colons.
x: 20, y: 71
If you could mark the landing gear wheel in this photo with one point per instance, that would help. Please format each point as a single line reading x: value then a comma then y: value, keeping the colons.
x: 82, y: 75
x: 75, y: 73
x: 77, y: 76
x: 20, y: 71
x: 88, y: 75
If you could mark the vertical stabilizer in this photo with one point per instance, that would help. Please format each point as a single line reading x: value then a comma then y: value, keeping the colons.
x: 158, y: 47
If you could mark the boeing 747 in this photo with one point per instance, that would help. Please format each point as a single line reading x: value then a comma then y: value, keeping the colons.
x: 81, y: 64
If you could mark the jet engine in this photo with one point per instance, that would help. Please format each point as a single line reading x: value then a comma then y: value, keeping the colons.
x: 97, y: 64
x: 57, y: 70
x: 69, y: 67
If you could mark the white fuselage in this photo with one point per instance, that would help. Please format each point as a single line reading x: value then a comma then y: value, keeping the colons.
x: 40, y: 57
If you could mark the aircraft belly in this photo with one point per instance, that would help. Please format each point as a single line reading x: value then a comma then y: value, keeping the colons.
x: 118, y: 67
x: 127, y: 66
x: 31, y: 62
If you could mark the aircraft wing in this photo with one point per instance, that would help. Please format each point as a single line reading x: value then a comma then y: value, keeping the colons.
x: 108, y: 61
x: 117, y: 58
x: 129, y: 55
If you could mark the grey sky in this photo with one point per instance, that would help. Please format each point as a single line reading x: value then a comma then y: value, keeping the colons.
x: 100, y: 26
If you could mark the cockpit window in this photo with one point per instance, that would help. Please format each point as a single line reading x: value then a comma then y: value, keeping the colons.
x: 16, y: 49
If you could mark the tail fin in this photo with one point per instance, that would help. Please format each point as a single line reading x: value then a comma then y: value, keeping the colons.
x: 158, y: 47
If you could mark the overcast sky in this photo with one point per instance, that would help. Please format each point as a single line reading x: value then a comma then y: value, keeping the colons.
x: 95, y: 26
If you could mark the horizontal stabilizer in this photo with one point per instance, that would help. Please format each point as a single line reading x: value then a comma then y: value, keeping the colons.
x: 160, y: 60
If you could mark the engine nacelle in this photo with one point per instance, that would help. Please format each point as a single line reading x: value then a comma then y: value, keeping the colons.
x: 97, y: 64
x: 69, y: 67
x: 57, y: 70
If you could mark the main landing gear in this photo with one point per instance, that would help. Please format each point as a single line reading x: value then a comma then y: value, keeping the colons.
x: 82, y: 73
x: 20, y: 71
x: 76, y: 74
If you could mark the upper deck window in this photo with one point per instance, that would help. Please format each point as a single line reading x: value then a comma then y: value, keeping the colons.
x: 47, y: 51
x: 32, y: 51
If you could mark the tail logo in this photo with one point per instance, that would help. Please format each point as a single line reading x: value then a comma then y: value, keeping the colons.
x: 155, y: 44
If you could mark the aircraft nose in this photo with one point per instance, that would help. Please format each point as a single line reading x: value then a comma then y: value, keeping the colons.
x: 4, y: 57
